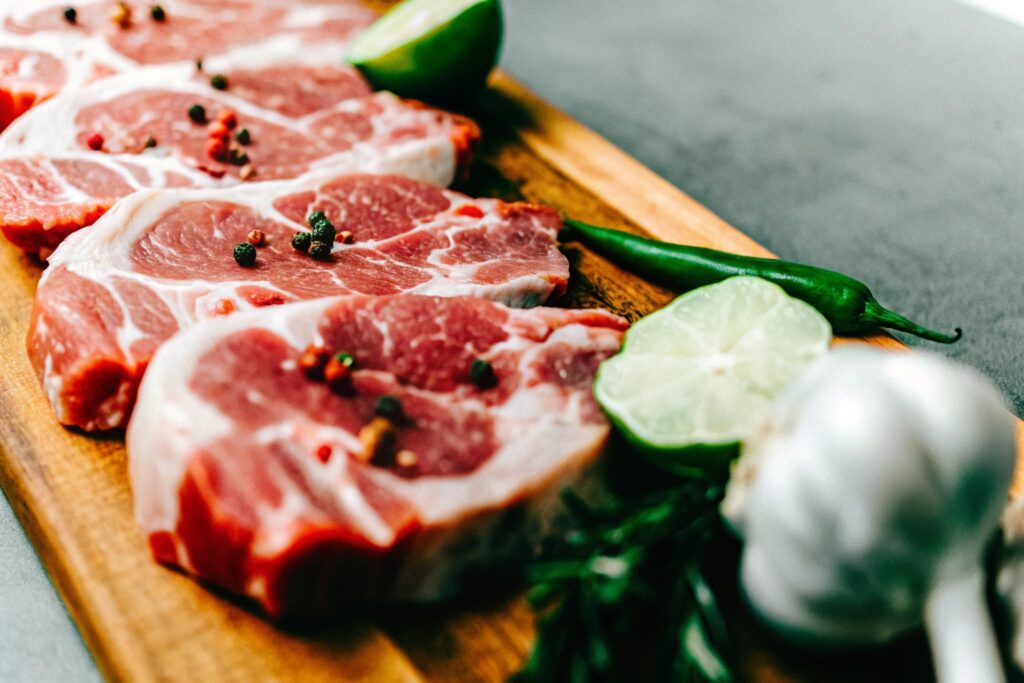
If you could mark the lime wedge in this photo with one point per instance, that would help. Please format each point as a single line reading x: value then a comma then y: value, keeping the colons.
x: 435, y: 50
x: 697, y: 377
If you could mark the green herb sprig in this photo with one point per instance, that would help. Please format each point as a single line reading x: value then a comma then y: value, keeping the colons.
x: 622, y: 596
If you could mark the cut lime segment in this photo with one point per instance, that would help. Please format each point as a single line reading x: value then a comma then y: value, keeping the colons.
x: 695, y: 378
x: 435, y: 50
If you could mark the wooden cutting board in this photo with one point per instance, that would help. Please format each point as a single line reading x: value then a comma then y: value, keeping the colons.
x: 147, y: 623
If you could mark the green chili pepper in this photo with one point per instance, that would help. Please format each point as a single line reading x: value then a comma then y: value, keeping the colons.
x: 848, y: 304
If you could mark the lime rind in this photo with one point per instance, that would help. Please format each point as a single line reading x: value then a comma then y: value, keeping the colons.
x: 435, y: 50
x: 693, y: 379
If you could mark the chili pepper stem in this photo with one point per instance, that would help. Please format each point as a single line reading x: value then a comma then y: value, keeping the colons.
x: 876, y: 314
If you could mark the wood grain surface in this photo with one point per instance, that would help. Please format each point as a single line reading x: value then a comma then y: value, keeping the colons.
x: 146, y: 623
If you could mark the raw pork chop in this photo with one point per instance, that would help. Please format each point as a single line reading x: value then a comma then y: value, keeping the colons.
x: 41, y: 52
x: 251, y: 476
x: 162, y: 260
x: 52, y: 182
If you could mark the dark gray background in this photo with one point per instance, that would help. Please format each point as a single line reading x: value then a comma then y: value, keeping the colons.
x: 883, y: 138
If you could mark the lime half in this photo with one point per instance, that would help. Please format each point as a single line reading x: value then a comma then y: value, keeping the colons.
x: 435, y: 50
x: 697, y: 377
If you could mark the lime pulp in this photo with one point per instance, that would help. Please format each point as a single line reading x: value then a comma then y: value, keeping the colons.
x: 695, y: 378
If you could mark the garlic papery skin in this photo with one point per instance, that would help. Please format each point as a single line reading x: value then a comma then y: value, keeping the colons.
x: 867, y: 501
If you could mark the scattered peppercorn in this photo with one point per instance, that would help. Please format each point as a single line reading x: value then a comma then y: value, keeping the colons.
x: 406, y: 458
x: 157, y: 12
x: 256, y: 238
x: 150, y: 142
x: 337, y: 372
x: 301, y: 241
x: 321, y: 251
x: 238, y: 157
x: 199, y: 65
x: 323, y: 229
x: 389, y: 406
x: 228, y: 118
x: 482, y: 374
x: 225, y: 307
x: 469, y: 210
x: 71, y: 15
x: 121, y: 15
x: 378, y: 439
x: 197, y: 113
x: 247, y: 171
x: 345, y: 237
x: 216, y: 129
x: 243, y: 136
x: 219, y: 81
x: 245, y: 254
x: 217, y: 149
x: 313, y: 360
x: 212, y: 172
x: 95, y: 142
x: 323, y: 454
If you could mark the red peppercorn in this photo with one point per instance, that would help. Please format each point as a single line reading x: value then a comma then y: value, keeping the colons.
x: 218, y: 130
x: 212, y: 172
x: 228, y: 118
x: 95, y: 142
x: 323, y: 454
x: 470, y: 211
x: 313, y: 360
x: 256, y: 238
x: 345, y: 237
x: 217, y: 149
x: 225, y: 307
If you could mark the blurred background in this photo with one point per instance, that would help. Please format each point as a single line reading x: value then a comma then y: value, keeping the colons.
x: 884, y: 138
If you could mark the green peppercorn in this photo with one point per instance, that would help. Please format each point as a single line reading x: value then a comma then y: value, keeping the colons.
x: 157, y: 12
x: 389, y: 407
x: 245, y: 254
x: 219, y: 81
x: 321, y: 251
x: 323, y: 229
x: 481, y: 373
x: 197, y: 113
x: 301, y: 241
x: 71, y: 15
x: 243, y: 136
x: 345, y: 359
x: 238, y: 157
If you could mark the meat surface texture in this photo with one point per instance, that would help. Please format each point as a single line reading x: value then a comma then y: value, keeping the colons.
x: 67, y: 161
x: 42, y: 52
x: 252, y: 476
x: 160, y: 261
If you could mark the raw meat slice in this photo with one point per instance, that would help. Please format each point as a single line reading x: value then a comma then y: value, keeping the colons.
x: 52, y: 183
x: 253, y: 477
x: 41, y: 52
x: 162, y: 260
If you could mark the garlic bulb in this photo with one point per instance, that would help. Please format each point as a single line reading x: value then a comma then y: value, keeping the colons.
x: 867, y: 502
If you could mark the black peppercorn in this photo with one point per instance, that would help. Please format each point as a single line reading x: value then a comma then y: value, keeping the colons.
x: 301, y: 241
x: 197, y: 113
x: 323, y: 229
x: 219, y: 81
x: 245, y: 254
x: 390, y: 407
x: 321, y: 251
x: 481, y: 373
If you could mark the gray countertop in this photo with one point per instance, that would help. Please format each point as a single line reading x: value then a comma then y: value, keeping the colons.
x: 883, y: 138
